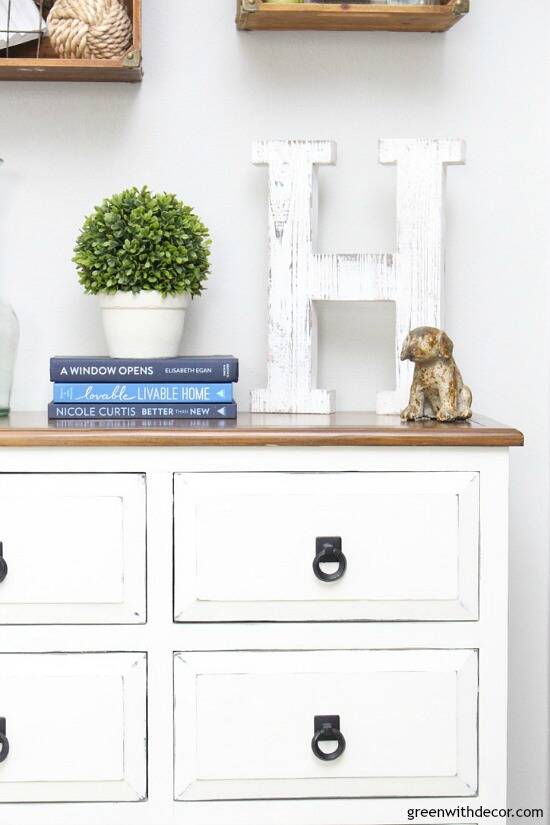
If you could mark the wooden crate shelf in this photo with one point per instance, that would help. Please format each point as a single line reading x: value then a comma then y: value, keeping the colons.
x: 258, y: 15
x: 22, y: 63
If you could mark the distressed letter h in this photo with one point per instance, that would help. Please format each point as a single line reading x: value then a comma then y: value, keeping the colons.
x: 412, y: 276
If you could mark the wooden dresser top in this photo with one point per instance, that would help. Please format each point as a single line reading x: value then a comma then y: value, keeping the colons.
x: 354, y: 429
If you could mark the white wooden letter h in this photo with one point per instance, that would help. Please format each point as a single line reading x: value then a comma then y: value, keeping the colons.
x: 412, y: 276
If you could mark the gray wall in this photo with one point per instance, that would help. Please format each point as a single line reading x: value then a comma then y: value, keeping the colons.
x: 208, y: 92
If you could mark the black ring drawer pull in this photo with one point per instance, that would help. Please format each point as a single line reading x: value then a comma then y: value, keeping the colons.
x: 327, y: 729
x: 4, y: 744
x: 3, y: 564
x: 329, y: 550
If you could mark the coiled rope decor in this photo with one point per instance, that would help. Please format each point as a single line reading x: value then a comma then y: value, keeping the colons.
x: 99, y: 29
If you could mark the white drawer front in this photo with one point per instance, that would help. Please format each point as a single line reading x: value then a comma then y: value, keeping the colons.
x: 75, y: 548
x: 244, y: 723
x: 245, y: 544
x: 76, y: 727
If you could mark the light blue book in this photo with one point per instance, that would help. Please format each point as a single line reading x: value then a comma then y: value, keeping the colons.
x: 143, y: 393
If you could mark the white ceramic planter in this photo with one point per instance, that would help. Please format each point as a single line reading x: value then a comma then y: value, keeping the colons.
x: 143, y: 324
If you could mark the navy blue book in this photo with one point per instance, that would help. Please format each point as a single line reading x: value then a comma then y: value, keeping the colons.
x: 208, y: 368
x: 133, y: 411
x: 181, y: 393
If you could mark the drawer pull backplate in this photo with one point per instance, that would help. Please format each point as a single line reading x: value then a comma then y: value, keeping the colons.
x: 329, y: 551
x: 327, y: 729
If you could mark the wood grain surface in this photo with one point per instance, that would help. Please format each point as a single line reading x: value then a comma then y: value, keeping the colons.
x: 22, y: 63
x: 353, y: 429
x: 350, y: 17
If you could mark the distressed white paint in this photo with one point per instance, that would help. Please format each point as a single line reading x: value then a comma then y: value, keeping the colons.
x: 244, y: 723
x: 76, y: 726
x: 421, y: 566
x: 81, y: 556
x: 360, y: 86
x: 412, y: 276
x: 160, y: 637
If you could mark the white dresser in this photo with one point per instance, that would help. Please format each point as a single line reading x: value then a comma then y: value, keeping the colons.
x: 281, y: 620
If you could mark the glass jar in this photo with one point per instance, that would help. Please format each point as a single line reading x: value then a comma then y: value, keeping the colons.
x: 9, y: 338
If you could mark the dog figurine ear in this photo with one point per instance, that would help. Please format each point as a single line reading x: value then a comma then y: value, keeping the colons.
x: 405, y: 349
x: 446, y: 346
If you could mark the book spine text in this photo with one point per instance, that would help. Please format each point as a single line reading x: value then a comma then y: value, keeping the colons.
x: 140, y: 411
x: 181, y: 393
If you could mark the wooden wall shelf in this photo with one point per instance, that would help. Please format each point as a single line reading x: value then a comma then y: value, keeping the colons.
x: 258, y: 15
x: 22, y: 63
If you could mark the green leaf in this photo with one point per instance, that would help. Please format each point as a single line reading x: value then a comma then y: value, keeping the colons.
x: 136, y: 240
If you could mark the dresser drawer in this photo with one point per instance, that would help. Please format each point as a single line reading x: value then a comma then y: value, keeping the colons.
x: 74, y: 545
x: 245, y: 546
x: 75, y: 725
x: 244, y: 724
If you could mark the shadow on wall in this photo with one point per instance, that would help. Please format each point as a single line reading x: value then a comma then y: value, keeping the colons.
x: 309, y: 61
x: 356, y: 350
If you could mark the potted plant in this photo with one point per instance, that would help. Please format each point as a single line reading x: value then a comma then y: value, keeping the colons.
x: 146, y: 256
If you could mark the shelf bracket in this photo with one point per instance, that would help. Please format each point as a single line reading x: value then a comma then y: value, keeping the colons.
x: 461, y: 7
x: 132, y: 59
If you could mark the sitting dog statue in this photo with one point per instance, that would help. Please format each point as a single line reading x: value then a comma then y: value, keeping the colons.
x: 437, y: 389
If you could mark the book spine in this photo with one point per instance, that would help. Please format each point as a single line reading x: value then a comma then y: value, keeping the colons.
x: 143, y: 393
x: 83, y: 370
x: 133, y: 411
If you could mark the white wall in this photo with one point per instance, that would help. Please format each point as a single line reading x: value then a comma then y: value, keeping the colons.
x: 208, y: 92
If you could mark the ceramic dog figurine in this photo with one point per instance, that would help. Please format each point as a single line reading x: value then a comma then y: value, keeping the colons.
x: 437, y: 389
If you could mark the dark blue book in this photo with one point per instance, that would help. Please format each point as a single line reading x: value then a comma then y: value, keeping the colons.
x: 153, y: 393
x: 133, y: 411
x: 207, y: 368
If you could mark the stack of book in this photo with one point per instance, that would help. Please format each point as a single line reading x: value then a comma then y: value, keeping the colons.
x: 156, y: 388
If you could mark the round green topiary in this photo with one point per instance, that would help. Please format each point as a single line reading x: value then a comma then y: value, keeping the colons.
x: 137, y: 241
